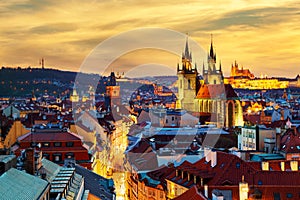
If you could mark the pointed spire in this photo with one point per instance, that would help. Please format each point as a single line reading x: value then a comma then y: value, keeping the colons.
x: 186, y: 50
x: 211, y: 52
x: 220, y: 68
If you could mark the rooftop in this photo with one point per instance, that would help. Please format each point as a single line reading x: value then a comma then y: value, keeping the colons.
x: 16, y: 184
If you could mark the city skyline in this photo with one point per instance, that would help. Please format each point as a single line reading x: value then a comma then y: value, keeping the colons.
x: 260, y: 36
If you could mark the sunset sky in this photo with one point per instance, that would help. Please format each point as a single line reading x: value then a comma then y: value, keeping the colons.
x: 261, y: 35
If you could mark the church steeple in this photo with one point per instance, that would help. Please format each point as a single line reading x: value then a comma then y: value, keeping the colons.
x: 187, y: 79
x: 212, y: 54
x: 187, y: 66
x: 213, y: 74
x: 187, y: 54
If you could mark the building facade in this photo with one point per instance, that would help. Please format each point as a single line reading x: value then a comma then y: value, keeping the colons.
x: 56, y: 144
x: 209, y: 99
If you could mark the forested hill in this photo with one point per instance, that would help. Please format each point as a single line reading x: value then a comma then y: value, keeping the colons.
x: 19, y: 74
x: 16, y: 82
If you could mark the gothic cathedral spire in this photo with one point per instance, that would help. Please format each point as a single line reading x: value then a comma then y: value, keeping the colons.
x: 212, y: 75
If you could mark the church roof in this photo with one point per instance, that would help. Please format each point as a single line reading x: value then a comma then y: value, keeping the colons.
x: 207, y: 91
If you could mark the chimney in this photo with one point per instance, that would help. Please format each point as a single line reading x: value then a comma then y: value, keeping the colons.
x: 29, y: 163
x: 194, y: 143
x: 213, y: 157
x: 207, y: 152
x: 206, y: 191
x: 294, y: 130
x: 152, y: 143
x: 278, y: 138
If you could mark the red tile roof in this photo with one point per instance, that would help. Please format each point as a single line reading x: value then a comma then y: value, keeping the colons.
x: 230, y: 169
x: 216, y: 91
x: 191, y: 194
x: 142, y: 156
x: 50, y: 136
x: 290, y: 141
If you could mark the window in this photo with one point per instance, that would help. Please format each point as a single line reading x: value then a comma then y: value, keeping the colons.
x: 57, y: 144
x: 45, y: 155
x: 259, y: 182
x: 57, y: 157
x: 289, y: 195
x: 237, y: 165
x: 70, y: 144
x: 33, y: 144
x: 276, y: 196
x: 69, y: 155
x: 46, y: 144
x: 161, y: 194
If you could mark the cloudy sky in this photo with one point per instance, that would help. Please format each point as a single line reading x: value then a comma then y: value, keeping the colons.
x: 261, y: 35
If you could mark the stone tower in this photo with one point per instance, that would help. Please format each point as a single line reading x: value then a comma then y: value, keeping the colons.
x: 187, y: 80
x: 212, y: 75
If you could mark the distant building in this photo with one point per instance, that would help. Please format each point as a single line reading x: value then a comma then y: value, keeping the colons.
x: 57, y: 144
x: 74, y: 97
x: 237, y: 72
x: 257, y: 138
x: 244, y: 79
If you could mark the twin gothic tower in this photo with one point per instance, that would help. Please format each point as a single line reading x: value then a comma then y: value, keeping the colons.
x: 207, y: 97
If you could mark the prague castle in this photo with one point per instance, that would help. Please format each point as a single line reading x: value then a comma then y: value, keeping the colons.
x: 207, y: 98
x: 244, y: 79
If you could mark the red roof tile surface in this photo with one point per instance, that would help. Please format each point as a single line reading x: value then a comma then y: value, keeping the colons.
x: 216, y: 91
x: 191, y: 194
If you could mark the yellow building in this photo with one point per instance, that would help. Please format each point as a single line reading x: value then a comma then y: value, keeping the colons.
x: 17, y: 129
x: 74, y: 97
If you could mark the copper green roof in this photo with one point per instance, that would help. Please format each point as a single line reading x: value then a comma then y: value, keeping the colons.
x: 16, y: 184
